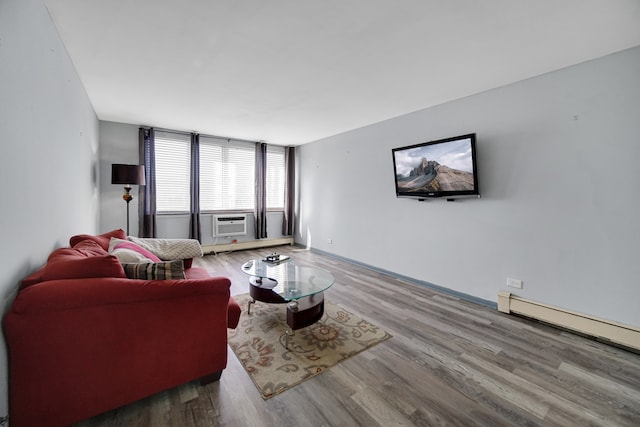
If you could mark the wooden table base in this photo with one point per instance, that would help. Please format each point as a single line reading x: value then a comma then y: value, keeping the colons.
x: 301, y: 313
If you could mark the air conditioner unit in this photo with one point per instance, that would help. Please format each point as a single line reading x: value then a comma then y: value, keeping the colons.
x: 229, y: 225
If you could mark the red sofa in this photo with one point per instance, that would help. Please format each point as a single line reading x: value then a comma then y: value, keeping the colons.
x: 83, y: 338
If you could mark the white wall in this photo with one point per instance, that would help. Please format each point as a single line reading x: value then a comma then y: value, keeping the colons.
x: 559, y: 177
x: 118, y: 144
x: 49, y: 137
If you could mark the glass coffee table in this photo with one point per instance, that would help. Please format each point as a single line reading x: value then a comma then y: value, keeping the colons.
x: 301, y: 288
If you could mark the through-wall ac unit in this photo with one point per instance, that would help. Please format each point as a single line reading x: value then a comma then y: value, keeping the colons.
x: 229, y: 225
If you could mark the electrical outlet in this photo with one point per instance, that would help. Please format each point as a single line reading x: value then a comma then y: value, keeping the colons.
x: 330, y: 241
x: 514, y: 283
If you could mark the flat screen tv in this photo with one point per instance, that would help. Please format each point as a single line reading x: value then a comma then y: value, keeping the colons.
x: 442, y: 168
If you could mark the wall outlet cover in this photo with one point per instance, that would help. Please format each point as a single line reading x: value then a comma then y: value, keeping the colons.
x: 514, y: 283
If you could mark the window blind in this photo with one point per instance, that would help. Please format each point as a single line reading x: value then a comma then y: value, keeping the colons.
x: 227, y: 174
x: 173, y: 168
x: 275, y: 177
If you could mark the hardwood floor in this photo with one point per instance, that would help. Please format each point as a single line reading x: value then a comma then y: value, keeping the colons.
x: 449, y: 362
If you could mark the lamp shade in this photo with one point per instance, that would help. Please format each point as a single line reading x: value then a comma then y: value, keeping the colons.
x: 127, y: 174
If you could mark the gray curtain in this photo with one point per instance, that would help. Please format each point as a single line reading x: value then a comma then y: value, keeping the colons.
x: 288, y: 223
x: 194, y: 221
x: 260, y: 211
x: 147, y: 193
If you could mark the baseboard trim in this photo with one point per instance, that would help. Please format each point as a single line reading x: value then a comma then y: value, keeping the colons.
x: 605, y: 330
x: 251, y: 244
x: 447, y: 291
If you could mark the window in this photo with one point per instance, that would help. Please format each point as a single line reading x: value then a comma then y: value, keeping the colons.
x: 275, y: 177
x: 173, y: 168
x: 227, y: 172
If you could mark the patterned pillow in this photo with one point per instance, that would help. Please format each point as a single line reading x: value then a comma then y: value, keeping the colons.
x: 168, y: 270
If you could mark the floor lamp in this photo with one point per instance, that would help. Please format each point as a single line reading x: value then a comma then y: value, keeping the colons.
x: 128, y: 175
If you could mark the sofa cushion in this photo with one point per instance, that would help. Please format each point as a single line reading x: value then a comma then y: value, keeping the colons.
x: 32, y: 279
x: 89, y: 248
x: 167, y: 270
x: 102, y: 239
x: 86, y: 249
x: 79, y: 267
x: 129, y: 252
x: 83, y: 250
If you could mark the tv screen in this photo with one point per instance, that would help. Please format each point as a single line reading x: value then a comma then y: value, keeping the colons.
x: 442, y: 168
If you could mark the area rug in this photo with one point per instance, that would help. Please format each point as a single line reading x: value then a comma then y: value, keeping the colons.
x: 259, y: 339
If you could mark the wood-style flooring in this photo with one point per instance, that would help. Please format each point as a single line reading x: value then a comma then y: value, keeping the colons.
x: 449, y: 362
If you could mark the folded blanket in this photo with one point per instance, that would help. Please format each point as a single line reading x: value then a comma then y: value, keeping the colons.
x: 170, y: 249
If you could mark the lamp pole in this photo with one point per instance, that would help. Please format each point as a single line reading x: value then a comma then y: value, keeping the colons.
x: 128, y: 175
x: 127, y: 197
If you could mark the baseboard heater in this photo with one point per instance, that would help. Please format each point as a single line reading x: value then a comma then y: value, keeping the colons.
x: 604, y: 330
x: 251, y: 244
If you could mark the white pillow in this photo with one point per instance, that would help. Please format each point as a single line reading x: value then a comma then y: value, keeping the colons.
x: 128, y: 256
x: 113, y: 242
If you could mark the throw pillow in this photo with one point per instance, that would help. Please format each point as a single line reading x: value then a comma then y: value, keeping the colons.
x: 102, y: 239
x: 129, y: 252
x: 168, y: 270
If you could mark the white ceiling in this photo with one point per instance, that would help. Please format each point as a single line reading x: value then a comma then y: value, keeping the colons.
x: 294, y: 71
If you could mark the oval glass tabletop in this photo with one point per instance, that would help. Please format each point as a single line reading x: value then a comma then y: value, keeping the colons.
x: 288, y: 280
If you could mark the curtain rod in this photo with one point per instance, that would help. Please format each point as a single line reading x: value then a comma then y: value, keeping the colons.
x: 201, y: 134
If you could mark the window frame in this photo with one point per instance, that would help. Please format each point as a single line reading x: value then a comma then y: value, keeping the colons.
x: 184, y: 138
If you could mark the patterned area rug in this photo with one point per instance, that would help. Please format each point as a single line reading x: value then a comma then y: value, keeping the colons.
x: 259, y: 339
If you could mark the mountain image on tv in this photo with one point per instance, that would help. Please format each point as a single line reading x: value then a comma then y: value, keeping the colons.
x: 431, y: 176
x: 434, y: 169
